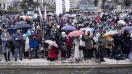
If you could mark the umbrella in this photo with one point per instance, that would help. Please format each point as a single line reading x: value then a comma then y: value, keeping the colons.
x: 73, y: 15
x: 50, y: 14
x: 66, y: 15
x: 87, y: 29
x: 122, y: 22
x: 11, y: 30
x: 28, y: 17
x: 127, y: 28
x: 50, y: 42
x: 69, y: 28
x: 21, y: 26
x: 23, y: 17
x: 64, y: 18
x: 86, y: 22
x: 75, y: 33
x: 21, y: 22
x: 112, y: 32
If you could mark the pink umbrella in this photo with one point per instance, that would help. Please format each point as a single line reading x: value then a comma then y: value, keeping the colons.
x: 50, y: 42
x: 75, y: 33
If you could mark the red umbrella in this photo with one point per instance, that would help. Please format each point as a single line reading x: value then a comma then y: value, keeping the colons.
x: 75, y: 33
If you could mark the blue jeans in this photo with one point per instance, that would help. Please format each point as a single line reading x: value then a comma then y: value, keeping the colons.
x: 18, y: 53
x: 33, y: 53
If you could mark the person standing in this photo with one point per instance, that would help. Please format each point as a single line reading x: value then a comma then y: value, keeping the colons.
x: 88, y: 52
x: 5, y: 37
x: 77, y: 53
x: 69, y: 44
x: 18, y: 39
x: 62, y: 44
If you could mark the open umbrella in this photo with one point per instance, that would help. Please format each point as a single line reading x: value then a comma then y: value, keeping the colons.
x: 86, y: 22
x: 112, y: 32
x: 21, y: 22
x: 68, y: 28
x: 64, y: 18
x: 122, y: 22
x: 127, y: 28
x: 87, y: 28
x: 73, y: 15
x: 75, y: 33
x: 11, y: 30
x: 21, y: 26
x: 50, y: 42
x: 66, y: 15
x: 28, y: 17
x: 50, y: 14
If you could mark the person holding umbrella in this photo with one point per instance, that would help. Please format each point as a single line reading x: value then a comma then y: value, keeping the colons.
x: 52, y: 50
x: 18, y: 41
x: 62, y: 43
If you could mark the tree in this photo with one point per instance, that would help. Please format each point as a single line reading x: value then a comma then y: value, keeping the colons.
x: 127, y: 2
x: 26, y: 4
x: 103, y: 3
x: 96, y: 2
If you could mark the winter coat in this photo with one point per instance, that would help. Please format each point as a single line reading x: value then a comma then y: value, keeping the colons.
x: 102, y: 42
x: 27, y: 47
x: 62, y: 43
x: 69, y: 42
x: 52, y: 53
x: 34, y: 43
x: 110, y: 42
x: 77, y: 53
x: 5, y: 41
x: 18, y: 40
x: 88, y: 42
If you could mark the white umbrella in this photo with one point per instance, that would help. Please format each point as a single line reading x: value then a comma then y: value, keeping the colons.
x: 50, y: 42
x: 73, y: 15
x: 122, y: 22
x: 50, y: 13
x: 87, y: 29
x: 66, y: 15
x: 112, y: 32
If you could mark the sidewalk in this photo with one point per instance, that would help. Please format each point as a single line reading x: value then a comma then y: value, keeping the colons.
x: 40, y: 62
x: 37, y: 62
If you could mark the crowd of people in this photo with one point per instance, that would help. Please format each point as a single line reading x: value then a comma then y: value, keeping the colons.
x: 78, y: 36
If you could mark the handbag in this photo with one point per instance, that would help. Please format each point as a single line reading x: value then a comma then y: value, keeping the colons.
x: 81, y: 47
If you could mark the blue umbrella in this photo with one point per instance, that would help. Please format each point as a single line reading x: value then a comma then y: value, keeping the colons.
x: 11, y: 30
x: 23, y: 26
x: 68, y: 28
x: 21, y: 22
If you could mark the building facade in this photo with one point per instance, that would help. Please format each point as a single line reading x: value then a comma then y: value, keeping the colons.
x: 74, y: 4
x: 87, y: 5
x: 5, y: 4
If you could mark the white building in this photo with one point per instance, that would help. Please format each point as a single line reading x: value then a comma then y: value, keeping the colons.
x: 87, y: 5
x: 4, y: 4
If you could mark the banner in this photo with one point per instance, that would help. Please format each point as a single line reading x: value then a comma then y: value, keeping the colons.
x: 59, y: 8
